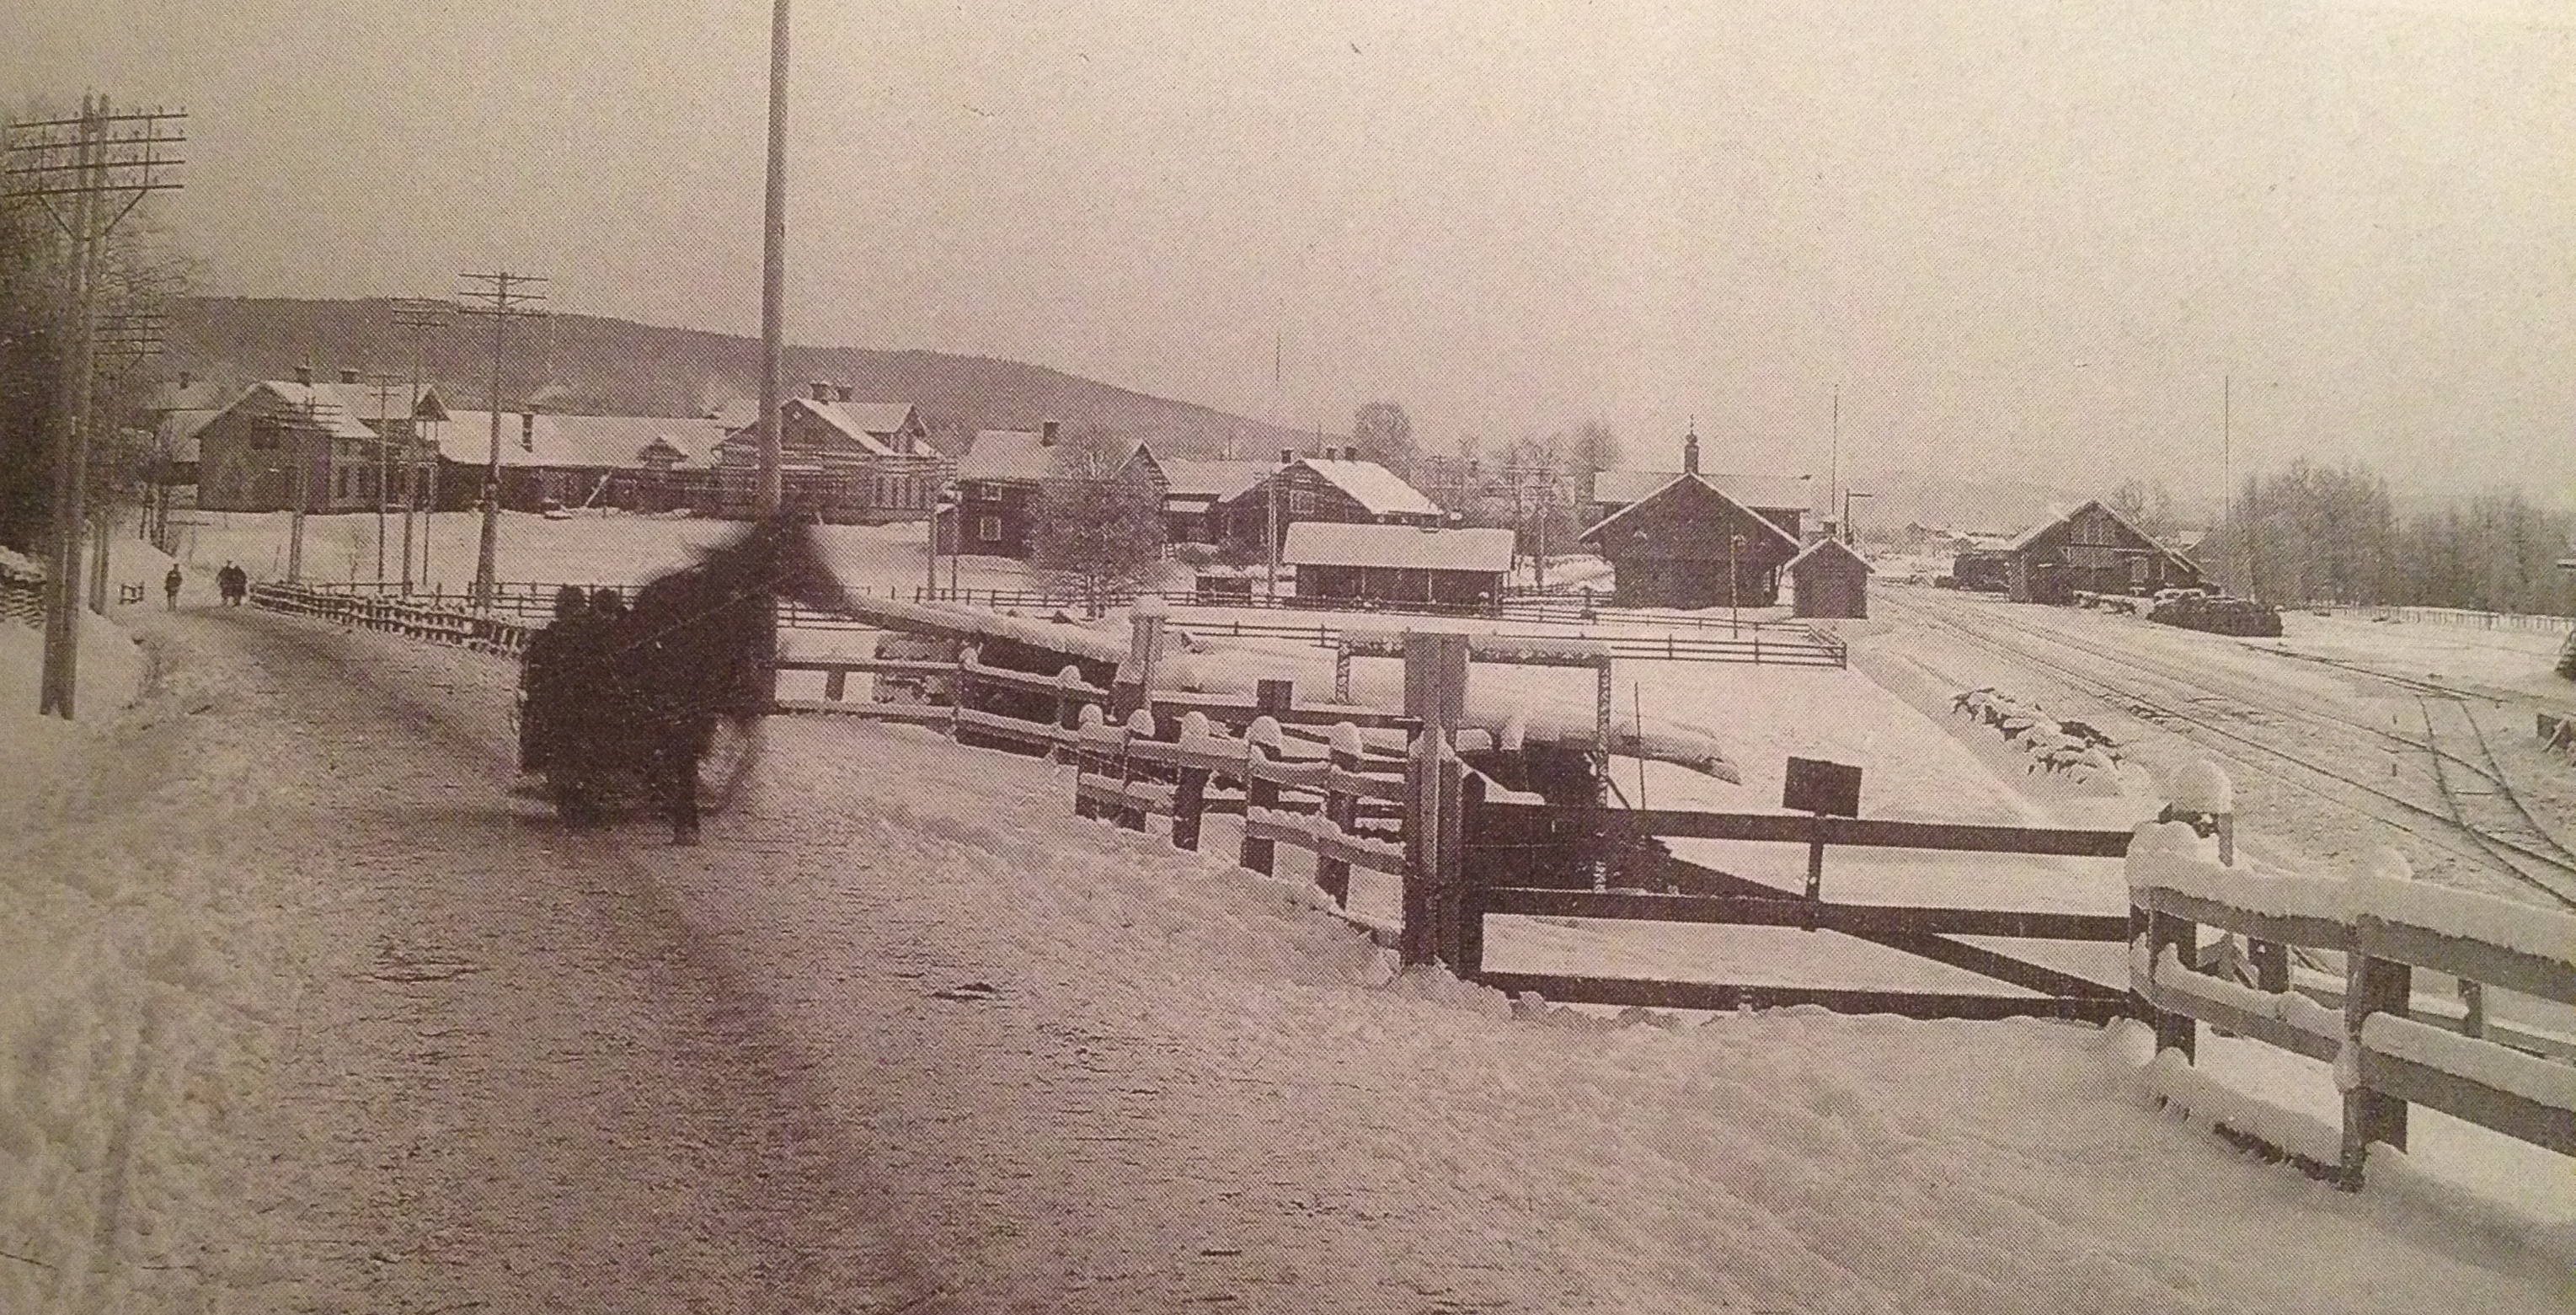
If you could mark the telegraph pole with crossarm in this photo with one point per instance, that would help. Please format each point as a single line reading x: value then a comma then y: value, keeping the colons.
x: 500, y: 297
x: 101, y: 164
x: 420, y: 316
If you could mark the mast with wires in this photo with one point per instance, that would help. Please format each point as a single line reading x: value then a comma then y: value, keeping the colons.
x: 419, y: 315
x: 101, y: 164
x: 501, y: 297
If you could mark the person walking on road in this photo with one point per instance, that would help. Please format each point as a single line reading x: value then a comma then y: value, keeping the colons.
x: 232, y: 582
x: 170, y: 587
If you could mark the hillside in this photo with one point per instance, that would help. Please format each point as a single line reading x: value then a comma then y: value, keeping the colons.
x: 593, y: 365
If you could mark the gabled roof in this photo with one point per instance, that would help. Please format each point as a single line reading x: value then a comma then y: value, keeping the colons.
x: 1005, y: 455
x: 195, y: 395
x: 175, y: 438
x: 1760, y: 492
x: 330, y: 410
x: 1212, y: 481
x: 1404, y: 547
x: 1374, y: 487
x: 575, y: 442
x: 1669, y: 489
x: 1828, y: 547
x: 2031, y: 536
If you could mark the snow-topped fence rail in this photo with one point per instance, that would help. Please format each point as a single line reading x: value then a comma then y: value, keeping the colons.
x: 2386, y: 1055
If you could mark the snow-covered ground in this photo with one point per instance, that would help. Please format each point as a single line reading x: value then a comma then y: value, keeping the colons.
x: 1084, y: 1071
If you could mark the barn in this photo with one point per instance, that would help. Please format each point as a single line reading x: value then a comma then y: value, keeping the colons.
x: 2092, y: 549
x: 1690, y: 545
x: 1830, y: 580
x: 1402, y: 564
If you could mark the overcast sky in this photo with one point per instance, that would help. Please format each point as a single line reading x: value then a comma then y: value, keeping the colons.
x: 2014, y: 234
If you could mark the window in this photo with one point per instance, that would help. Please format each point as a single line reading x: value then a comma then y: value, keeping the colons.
x: 989, y: 529
x: 2137, y: 570
x: 1301, y: 502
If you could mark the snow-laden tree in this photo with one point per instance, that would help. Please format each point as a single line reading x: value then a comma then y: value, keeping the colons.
x: 1099, y: 529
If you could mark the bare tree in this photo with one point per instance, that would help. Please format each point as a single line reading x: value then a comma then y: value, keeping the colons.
x: 1099, y: 528
x: 1383, y: 433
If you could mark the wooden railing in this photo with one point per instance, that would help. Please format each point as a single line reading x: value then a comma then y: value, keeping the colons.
x: 2386, y: 1054
x: 1521, y: 854
x: 484, y: 632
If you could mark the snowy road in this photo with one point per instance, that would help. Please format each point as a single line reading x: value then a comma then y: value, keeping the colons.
x: 904, y: 1030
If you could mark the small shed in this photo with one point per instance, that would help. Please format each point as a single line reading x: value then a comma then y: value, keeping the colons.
x: 1831, y: 580
x: 1398, y: 563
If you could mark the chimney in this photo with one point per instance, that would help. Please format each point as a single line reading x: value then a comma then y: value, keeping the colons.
x: 1690, y: 452
x: 304, y: 375
x: 348, y: 376
x: 1287, y: 456
x: 841, y: 392
x: 822, y: 391
x: 1046, y: 433
x: 527, y: 431
x: 186, y: 378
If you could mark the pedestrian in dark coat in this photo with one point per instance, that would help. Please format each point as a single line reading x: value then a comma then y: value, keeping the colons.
x: 170, y: 587
x: 545, y: 667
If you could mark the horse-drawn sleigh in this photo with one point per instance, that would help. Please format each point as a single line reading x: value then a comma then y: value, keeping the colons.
x: 661, y: 702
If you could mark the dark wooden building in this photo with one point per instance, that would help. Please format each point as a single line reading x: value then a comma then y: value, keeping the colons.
x: 1782, y: 500
x: 2092, y: 549
x: 1398, y: 564
x: 843, y: 461
x: 1000, y: 479
x: 283, y: 444
x: 1331, y: 488
x: 1690, y: 544
x: 1829, y: 579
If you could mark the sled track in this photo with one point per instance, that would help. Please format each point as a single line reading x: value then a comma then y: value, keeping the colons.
x: 2509, y: 856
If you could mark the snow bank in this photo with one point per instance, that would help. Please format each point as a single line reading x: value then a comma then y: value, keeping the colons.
x: 2211, y: 1103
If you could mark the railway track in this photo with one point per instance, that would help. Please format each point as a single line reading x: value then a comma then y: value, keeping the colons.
x: 2523, y: 852
x: 2498, y: 817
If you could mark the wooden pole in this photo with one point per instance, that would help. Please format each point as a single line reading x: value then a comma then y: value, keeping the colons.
x: 2371, y: 986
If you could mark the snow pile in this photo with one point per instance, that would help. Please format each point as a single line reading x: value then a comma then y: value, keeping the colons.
x: 2072, y: 747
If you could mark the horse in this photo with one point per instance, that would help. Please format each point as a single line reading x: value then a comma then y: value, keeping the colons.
x: 692, y: 652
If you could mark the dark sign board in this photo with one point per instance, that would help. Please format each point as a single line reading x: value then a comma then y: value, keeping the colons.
x: 1816, y: 786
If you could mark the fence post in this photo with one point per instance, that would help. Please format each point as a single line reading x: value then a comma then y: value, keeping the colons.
x: 1068, y: 704
x: 2174, y: 1031
x: 835, y: 682
x: 1423, y: 804
x: 1140, y: 726
x: 1189, y: 794
x: 1260, y: 745
x: 2371, y: 986
x: 1342, y: 672
x: 1461, y: 918
x: 1084, y: 759
x: 1333, y: 875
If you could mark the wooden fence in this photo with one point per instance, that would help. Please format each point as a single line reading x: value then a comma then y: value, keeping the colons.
x: 2388, y: 1054
x: 483, y: 632
x: 1521, y: 855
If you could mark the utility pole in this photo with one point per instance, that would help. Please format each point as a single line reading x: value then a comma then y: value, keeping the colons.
x: 502, y: 297
x: 1834, y: 454
x: 420, y: 316
x: 2226, y: 459
x: 384, y: 464
x: 103, y: 164
x: 773, y: 268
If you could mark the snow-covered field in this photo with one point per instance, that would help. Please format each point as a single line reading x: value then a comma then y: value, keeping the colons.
x: 1186, y: 1083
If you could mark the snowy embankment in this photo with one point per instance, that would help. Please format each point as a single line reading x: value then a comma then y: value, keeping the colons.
x: 1260, y: 1055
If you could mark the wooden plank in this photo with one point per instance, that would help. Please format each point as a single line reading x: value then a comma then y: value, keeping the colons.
x: 2494, y: 965
x: 1141, y: 796
x: 1726, y: 998
x: 902, y: 666
x: 1027, y: 732
x: 2268, y: 1030
x: 2317, y: 933
x: 1874, y: 833
x: 1333, y: 847
x: 1777, y: 910
x: 1999, y: 966
x: 2464, y: 1098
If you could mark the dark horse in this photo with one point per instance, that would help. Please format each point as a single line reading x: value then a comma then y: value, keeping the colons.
x: 651, y: 686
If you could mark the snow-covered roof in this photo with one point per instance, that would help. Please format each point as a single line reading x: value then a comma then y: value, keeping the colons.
x: 576, y: 442
x: 1005, y: 454
x: 1212, y: 481
x: 876, y: 428
x: 1828, y: 547
x: 1327, y: 543
x: 337, y: 409
x: 1601, y: 527
x: 2031, y: 536
x: 1760, y: 492
x: 1374, y: 487
x: 176, y: 435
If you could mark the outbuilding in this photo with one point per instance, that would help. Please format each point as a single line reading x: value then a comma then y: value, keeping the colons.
x: 1399, y: 564
x: 1830, y: 580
